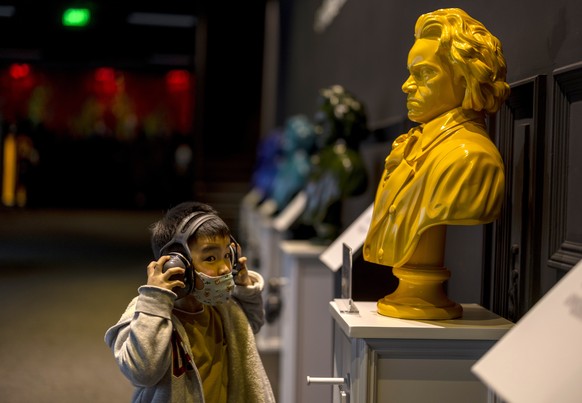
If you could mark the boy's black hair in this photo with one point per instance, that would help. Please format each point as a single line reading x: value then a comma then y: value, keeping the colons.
x: 164, y: 230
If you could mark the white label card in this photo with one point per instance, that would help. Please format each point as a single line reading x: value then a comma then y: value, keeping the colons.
x: 540, y: 359
x: 353, y: 236
x: 291, y: 212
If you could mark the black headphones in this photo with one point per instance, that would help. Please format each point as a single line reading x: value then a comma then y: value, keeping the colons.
x: 179, y: 251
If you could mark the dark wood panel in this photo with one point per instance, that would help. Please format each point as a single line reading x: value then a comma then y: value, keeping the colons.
x: 513, y: 242
x: 564, y: 240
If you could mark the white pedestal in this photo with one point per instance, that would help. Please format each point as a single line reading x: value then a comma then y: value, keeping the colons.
x: 408, y: 361
x: 250, y: 231
x: 306, y: 326
x: 269, y: 338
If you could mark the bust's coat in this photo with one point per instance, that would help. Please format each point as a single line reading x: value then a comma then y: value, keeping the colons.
x: 447, y: 171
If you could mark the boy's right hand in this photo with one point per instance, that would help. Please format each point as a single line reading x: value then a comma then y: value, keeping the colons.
x: 157, y: 277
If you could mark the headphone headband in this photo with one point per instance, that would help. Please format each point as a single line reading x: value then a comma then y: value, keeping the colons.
x: 187, y: 227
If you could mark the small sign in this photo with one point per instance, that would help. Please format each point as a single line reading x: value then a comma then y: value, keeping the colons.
x: 346, y: 303
x: 539, y: 359
x: 347, y: 272
x: 326, y: 13
x: 291, y: 212
x: 353, y: 237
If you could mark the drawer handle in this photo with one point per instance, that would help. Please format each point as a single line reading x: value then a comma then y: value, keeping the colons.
x: 324, y: 380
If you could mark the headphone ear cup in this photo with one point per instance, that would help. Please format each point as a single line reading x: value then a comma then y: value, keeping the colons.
x: 176, y: 260
x: 179, y: 260
x: 234, y: 256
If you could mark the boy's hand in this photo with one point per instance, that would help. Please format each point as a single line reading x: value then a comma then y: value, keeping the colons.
x: 242, y: 278
x: 158, y: 278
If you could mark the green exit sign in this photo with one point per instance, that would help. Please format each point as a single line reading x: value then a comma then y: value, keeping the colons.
x: 76, y: 17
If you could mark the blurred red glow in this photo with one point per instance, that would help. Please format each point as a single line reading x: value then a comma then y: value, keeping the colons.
x: 18, y: 71
x: 178, y: 80
x: 105, y: 74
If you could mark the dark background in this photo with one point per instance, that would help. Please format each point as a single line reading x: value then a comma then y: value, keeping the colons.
x: 220, y: 111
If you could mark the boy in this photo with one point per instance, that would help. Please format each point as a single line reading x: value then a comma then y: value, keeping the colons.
x: 183, y: 338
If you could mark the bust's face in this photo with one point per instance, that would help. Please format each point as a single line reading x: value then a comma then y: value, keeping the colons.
x: 431, y: 87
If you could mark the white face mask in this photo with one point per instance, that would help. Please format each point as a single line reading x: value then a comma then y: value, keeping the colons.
x: 215, y: 289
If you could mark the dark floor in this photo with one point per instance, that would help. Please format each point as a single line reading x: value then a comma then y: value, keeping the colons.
x: 65, y: 277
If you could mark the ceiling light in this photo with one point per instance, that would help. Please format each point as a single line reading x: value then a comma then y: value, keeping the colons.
x: 162, y: 20
x: 6, y: 11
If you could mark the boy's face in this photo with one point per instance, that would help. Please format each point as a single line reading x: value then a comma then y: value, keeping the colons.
x: 211, y: 256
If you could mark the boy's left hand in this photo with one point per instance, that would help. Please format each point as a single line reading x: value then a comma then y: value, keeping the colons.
x: 242, y: 278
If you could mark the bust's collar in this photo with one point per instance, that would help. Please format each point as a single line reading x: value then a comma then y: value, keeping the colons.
x: 432, y: 130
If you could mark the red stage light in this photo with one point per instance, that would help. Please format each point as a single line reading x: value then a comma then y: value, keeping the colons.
x: 178, y: 80
x: 105, y: 74
x: 18, y: 71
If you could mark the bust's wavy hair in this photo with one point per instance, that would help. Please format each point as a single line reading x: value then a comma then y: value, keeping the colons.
x: 471, y: 51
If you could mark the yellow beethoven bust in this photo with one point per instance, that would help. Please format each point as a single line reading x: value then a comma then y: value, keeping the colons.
x: 444, y: 171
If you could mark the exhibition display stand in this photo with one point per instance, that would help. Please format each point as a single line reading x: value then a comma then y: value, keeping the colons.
x: 384, y: 359
x: 306, y: 326
x: 269, y: 338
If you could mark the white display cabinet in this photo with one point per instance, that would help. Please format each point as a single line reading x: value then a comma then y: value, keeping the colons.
x: 261, y: 241
x: 264, y: 233
x: 383, y: 359
x: 306, y: 326
x: 269, y: 338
